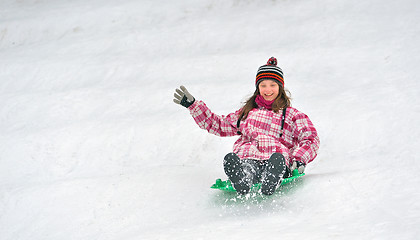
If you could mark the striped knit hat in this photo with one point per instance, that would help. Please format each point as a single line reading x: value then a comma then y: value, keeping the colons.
x: 270, y: 71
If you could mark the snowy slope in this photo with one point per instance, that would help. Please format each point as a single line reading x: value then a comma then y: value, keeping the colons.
x: 92, y: 146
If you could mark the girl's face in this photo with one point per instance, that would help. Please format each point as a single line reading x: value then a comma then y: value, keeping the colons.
x: 269, y: 89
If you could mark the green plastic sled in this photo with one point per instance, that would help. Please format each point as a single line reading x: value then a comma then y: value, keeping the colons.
x: 227, y: 185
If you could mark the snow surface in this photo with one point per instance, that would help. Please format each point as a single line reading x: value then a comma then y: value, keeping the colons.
x: 92, y: 146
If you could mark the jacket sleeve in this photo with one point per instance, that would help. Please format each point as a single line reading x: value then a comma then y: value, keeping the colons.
x: 218, y: 125
x: 307, y: 139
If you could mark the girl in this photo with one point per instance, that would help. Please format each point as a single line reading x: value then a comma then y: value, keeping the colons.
x: 274, y: 138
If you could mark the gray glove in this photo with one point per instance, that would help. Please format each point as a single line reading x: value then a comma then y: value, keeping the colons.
x: 183, y: 97
x: 300, y: 166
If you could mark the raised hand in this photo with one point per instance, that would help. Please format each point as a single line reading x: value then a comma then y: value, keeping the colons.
x: 183, y: 97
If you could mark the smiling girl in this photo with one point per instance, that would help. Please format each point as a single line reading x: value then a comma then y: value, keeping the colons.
x: 274, y: 138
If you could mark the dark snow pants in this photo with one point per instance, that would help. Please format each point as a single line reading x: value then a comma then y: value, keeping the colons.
x: 255, y: 170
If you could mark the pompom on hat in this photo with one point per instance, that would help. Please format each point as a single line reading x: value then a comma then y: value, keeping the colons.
x: 270, y: 71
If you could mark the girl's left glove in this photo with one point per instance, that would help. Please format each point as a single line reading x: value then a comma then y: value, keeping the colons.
x: 300, y: 166
x: 183, y: 97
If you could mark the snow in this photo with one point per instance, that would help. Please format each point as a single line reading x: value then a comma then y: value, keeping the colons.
x: 92, y: 146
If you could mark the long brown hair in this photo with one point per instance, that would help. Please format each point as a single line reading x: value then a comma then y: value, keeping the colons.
x: 281, y: 101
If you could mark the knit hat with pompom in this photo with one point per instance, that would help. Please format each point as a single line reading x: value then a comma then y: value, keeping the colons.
x: 270, y: 71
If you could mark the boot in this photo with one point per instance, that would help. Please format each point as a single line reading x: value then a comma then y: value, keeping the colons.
x: 274, y: 172
x: 234, y: 170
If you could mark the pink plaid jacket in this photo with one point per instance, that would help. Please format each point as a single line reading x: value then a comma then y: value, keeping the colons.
x: 261, y: 132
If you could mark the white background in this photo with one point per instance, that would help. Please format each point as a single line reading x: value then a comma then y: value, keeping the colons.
x: 92, y: 146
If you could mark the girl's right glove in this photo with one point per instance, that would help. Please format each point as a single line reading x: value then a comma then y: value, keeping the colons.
x: 183, y: 97
x: 300, y: 166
